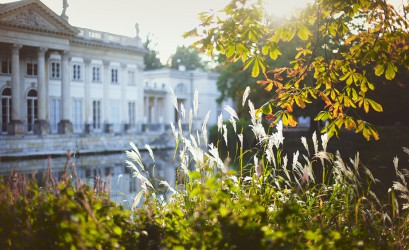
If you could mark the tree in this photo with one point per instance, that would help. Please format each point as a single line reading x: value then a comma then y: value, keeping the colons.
x: 343, y: 43
x: 188, y: 57
x: 151, y: 58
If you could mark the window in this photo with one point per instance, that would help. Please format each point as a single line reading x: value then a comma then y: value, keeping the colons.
x: 131, y: 114
x: 114, y: 75
x: 76, y: 115
x: 5, y: 108
x: 76, y: 72
x: 55, y: 72
x: 5, y: 65
x: 96, y: 115
x: 32, y: 68
x: 131, y: 77
x: 96, y: 74
x: 31, y: 109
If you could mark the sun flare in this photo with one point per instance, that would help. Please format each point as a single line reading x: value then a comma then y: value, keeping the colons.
x: 283, y: 8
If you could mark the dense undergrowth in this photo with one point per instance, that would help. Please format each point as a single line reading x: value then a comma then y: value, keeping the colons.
x: 270, y: 201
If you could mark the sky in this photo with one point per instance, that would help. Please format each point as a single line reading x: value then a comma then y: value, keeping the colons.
x: 165, y: 20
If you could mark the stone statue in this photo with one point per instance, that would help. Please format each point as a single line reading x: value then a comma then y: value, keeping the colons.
x: 64, y: 8
x: 136, y: 30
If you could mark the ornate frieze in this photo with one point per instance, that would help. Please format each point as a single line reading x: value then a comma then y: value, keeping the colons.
x: 30, y: 17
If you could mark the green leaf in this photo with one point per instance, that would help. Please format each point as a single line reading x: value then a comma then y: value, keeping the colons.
x: 376, y: 106
x: 379, y: 69
x: 391, y: 71
x: 303, y: 32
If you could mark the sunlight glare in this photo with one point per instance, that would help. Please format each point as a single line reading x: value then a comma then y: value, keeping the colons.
x: 283, y: 8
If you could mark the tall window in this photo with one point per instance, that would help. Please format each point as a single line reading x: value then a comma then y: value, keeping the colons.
x: 5, y: 65
x: 76, y: 115
x: 96, y: 74
x: 55, y: 113
x: 131, y: 77
x: 5, y: 108
x: 96, y: 115
x: 32, y: 68
x: 114, y: 76
x: 31, y: 109
x: 76, y: 72
x: 55, y: 70
x: 131, y: 114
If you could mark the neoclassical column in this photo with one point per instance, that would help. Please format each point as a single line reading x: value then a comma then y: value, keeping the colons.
x: 140, y: 114
x: 41, y: 126
x: 16, y: 127
x: 155, y: 110
x: 87, y: 95
x: 146, y: 109
x: 105, y: 102
x: 124, y: 104
x: 65, y: 125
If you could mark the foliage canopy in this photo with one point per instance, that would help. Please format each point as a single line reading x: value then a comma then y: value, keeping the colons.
x: 343, y: 44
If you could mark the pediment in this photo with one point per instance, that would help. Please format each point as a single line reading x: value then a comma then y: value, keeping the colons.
x: 34, y: 15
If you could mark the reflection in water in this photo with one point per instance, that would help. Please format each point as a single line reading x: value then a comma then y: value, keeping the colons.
x: 111, y: 168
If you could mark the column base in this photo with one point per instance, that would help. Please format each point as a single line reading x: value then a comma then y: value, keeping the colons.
x: 88, y: 128
x: 41, y: 127
x: 65, y: 127
x: 108, y: 128
x: 15, y: 127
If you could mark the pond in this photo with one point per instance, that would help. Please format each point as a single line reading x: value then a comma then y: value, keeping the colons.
x: 111, y: 168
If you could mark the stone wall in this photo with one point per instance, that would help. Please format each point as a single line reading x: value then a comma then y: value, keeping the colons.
x: 45, y: 145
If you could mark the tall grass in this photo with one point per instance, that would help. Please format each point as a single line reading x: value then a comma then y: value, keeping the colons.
x: 312, y: 200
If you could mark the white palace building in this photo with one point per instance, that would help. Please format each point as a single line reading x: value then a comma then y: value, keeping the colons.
x: 59, y: 79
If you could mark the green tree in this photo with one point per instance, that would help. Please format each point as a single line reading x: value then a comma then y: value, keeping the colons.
x: 151, y: 58
x: 188, y: 57
x: 342, y: 44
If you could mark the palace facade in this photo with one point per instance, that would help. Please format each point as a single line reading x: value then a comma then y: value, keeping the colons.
x: 59, y: 79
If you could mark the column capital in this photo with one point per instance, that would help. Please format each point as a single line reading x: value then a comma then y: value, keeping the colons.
x: 16, y: 48
x: 41, y: 51
x: 106, y: 63
x: 65, y: 53
x: 87, y: 60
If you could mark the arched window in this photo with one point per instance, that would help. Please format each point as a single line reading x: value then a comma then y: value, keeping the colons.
x: 180, y: 88
x: 31, y: 109
x: 5, y: 109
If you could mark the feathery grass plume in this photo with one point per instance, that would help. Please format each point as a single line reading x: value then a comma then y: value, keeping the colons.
x: 315, y: 142
x: 150, y: 151
x: 190, y: 120
x: 225, y: 133
x: 406, y: 150
x: 174, y: 99
x: 180, y: 127
x: 199, y: 142
x: 355, y: 161
x: 220, y: 123
x: 137, y: 199
x: 305, y: 144
x: 245, y: 95
x: 258, y: 169
x: 135, y: 155
x: 195, y: 103
x: 231, y: 111
x: 183, y: 111
x: 204, y: 127
x: 166, y: 184
x: 174, y: 132
x: 252, y: 112
x: 184, y: 159
x: 240, y: 136
x: 214, y: 156
x: 324, y: 141
x: 259, y: 132
x: 233, y: 123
